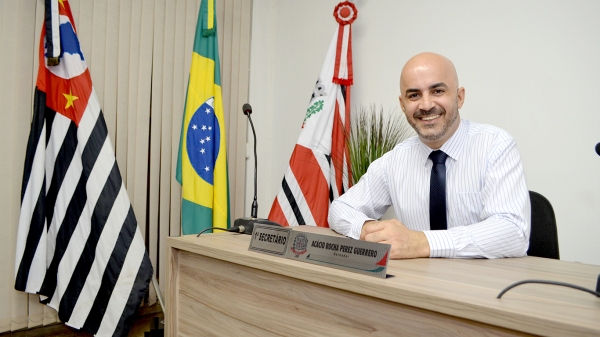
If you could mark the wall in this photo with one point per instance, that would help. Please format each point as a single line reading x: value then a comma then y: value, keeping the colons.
x: 529, y: 67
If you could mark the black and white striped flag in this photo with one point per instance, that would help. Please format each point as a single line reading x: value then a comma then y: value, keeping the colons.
x: 78, y: 243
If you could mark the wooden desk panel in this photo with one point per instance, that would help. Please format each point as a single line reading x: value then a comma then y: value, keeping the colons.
x: 216, y: 287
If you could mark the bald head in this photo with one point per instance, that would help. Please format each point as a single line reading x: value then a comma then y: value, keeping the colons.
x: 426, y: 63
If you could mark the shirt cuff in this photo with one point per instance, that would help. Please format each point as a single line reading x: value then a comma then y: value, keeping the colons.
x: 356, y: 227
x: 440, y: 244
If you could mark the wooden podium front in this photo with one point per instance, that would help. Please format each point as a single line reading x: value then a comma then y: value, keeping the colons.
x: 216, y: 287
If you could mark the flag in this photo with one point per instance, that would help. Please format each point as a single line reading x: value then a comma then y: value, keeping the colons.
x: 319, y: 169
x: 202, y: 160
x: 78, y: 244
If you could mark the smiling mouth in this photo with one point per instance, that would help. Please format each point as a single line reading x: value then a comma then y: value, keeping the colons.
x: 429, y: 118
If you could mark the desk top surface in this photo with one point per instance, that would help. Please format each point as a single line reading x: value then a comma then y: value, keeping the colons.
x: 466, y: 288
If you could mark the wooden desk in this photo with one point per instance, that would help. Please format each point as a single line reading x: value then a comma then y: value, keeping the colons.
x: 216, y: 287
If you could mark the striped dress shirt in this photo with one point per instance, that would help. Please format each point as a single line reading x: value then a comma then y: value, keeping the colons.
x: 488, y: 207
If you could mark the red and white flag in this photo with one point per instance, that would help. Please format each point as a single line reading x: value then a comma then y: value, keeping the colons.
x: 319, y: 169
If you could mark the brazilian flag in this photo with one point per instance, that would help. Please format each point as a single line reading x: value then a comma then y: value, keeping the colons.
x: 202, y: 161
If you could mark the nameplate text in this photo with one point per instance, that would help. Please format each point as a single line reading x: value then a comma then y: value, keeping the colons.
x: 271, y: 240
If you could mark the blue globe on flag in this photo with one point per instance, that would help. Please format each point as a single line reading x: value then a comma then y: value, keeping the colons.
x: 203, y: 140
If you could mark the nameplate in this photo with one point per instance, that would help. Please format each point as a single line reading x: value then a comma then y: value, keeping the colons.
x: 271, y: 240
x: 368, y: 258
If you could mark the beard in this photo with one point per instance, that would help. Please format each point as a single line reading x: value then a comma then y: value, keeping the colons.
x: 433, y: 132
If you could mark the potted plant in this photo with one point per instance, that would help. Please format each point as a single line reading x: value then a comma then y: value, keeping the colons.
x: 373, y: 133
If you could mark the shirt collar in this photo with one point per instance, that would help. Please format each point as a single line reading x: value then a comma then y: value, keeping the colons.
x: 453, y: 146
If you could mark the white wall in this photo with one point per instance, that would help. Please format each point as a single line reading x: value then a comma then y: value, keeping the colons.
x: 530, y: 67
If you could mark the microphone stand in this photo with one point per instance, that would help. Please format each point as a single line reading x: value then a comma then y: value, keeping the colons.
x: 254, y: 211
x: 246, y: 225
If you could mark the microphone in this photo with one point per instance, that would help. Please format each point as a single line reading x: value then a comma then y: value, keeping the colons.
x: 598, y: 149
x: 246, y: 225
x: 247, y: 109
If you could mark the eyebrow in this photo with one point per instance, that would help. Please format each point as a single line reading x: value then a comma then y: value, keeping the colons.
x: 433, y: 86
x: 437, y: 85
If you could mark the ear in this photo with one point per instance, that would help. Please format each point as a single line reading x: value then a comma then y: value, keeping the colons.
x: 460, y: 97
x: 401, y: 103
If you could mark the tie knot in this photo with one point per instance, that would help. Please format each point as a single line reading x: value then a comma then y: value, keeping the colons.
x: 438, y: 157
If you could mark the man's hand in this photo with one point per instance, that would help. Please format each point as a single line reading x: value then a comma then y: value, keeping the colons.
x: 405, y: 243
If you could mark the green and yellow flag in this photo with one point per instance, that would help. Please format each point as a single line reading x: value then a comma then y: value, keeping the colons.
x: 202, y: 161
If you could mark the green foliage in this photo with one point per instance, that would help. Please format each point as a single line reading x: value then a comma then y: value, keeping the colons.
x: 372, y: 134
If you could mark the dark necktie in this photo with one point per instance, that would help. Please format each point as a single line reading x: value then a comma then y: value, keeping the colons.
x: 437, y: 192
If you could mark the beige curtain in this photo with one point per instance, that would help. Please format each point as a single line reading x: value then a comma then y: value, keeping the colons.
x: 138, y: 53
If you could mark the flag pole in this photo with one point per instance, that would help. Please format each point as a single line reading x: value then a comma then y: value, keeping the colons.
x: 159, y: 295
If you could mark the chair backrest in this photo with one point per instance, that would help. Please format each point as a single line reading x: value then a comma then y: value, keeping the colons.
x: 543, y: 240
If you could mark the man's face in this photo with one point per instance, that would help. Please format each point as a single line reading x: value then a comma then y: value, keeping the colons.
x: 430, y: 99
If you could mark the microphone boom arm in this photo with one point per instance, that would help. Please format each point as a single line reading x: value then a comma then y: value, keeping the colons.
x: 254, y: 211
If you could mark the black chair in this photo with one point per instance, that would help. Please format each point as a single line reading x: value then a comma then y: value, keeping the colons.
x: 543, y: 240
